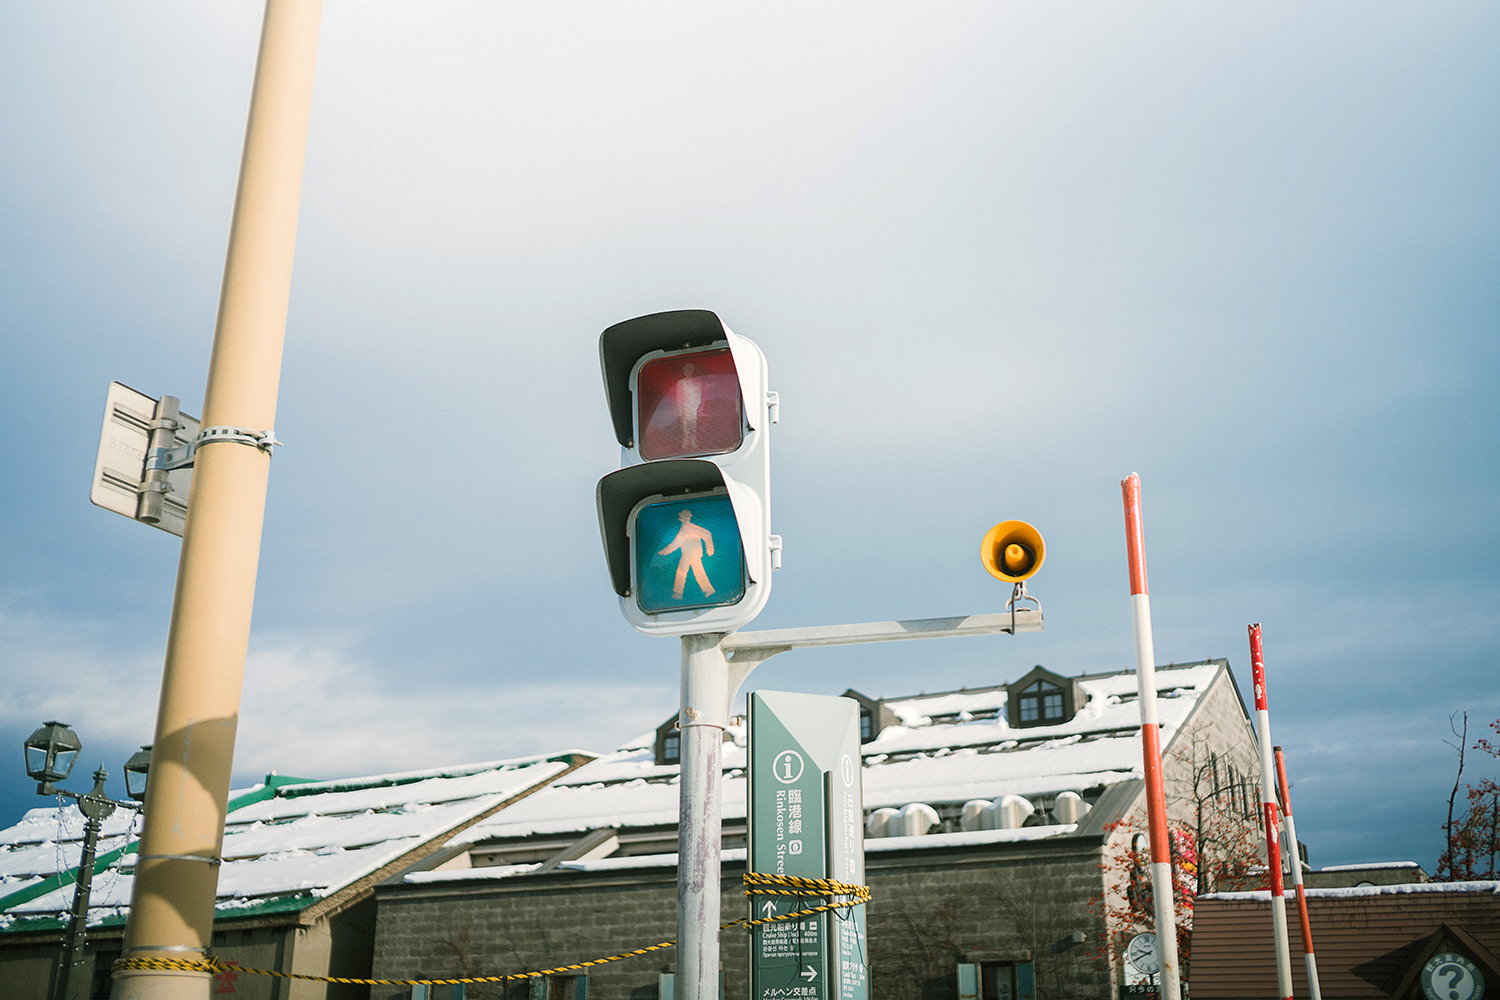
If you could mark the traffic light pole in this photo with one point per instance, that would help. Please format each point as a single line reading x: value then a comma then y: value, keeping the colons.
x: 176, y: 875
x: 704, y: 715
x: 714, y: 665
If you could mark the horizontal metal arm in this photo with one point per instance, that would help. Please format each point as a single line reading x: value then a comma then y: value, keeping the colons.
x: 777, y: 640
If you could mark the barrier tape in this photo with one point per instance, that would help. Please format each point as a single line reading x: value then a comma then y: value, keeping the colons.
x: 756, y: 883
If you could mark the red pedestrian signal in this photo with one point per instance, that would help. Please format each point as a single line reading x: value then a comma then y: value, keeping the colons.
x: 688, y: 405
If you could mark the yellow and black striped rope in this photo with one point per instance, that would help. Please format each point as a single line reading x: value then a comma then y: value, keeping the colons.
x: 756, y: 883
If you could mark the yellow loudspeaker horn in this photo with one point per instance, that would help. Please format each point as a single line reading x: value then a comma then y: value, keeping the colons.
x: 1012, y: 551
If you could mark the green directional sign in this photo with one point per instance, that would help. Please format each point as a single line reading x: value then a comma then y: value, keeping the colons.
x: 806, y: 820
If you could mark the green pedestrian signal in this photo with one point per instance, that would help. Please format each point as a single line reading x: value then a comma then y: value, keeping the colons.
x: 688, y: 554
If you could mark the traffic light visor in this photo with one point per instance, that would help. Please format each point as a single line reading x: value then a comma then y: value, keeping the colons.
x: 688, y: 405
x: 1012, y: 551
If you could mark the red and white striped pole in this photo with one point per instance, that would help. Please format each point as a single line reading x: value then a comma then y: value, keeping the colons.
x: 1268, y: 802
x: 1291, y: 839
x: 1156, y: 799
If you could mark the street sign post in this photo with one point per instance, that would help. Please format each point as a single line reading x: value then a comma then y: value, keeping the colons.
x: 806, y: 819
x: 121, y: 481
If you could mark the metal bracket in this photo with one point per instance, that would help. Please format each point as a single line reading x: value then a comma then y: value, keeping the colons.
x: 263, y: 440
x: 1018, y: 594
x: 215, y: 862
x: 167, y: 459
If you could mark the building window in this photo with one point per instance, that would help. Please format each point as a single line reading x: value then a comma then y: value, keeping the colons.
x: 671, y: 748
x: 102, y: 984
x: 567, y: 987
x: 996, y: 981
x: 1041, y: 704
x: 866, y: 725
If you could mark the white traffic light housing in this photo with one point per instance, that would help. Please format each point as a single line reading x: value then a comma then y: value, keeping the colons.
x: 686, y: 522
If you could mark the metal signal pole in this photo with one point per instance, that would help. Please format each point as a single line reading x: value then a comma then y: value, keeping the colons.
x: 172, y: 905
x: 1163, y: 896
x: 703, y: 718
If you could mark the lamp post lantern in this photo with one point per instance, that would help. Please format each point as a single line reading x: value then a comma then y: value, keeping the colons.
x: 135, y: 773
x: 51, y: 752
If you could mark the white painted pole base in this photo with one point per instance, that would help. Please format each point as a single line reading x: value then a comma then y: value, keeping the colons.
x: 1166, y: 935
x: 1283, y: 953
x: 705, y: 711
x: 1312, y: 977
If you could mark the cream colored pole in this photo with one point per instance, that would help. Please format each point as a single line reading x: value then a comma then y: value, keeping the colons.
x: 172, y: 906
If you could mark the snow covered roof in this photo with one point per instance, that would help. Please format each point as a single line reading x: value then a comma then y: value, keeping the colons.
x: 288, y: 843
x: 950, y: 747
x: 291, y: 844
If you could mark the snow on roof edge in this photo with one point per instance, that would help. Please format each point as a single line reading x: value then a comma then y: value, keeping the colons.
x: 1352, y: 892
x: 406, y: 777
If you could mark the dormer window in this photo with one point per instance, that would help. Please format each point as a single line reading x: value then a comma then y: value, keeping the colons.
x: 671, y: 748
x: 873, y: 715
x: 1041, y: 704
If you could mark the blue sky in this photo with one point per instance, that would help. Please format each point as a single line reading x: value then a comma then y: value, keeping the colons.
x: 998, y: 256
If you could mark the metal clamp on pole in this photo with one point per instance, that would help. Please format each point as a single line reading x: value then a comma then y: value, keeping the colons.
x: 239, y: 435
x: 216, y: 862
x: 165, y: 459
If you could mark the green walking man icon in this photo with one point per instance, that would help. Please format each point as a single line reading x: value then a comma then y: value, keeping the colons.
x: 693, y: 543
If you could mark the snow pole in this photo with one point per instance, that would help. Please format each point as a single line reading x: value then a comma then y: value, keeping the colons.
x: 1162, y: 887
x: 1268, y: 803
x: 1291, y: 838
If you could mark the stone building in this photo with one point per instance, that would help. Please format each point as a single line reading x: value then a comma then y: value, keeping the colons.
x: 995, y: 816
x: 1000, y: 826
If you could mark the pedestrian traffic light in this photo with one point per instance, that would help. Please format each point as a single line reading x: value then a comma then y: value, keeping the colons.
x: 686, y: 522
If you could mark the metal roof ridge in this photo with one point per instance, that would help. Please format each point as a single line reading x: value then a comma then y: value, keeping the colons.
x: 1073, y: 677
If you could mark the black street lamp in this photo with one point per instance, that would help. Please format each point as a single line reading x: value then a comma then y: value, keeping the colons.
x: 135, y: 773
x: 51, y: 752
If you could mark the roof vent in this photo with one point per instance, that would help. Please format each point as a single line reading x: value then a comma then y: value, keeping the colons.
x: 1070, y: 807
x: 1011, y: 812
x: 914, y: 820
x: 978, y: 814
x: 878, y: 825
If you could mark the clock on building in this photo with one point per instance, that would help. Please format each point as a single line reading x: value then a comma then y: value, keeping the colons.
x: 1141, y: 953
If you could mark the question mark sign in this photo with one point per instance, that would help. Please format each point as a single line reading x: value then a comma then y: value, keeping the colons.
x: 1455, y: 974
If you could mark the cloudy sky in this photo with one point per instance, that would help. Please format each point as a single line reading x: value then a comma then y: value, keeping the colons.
x: 999, y: 255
